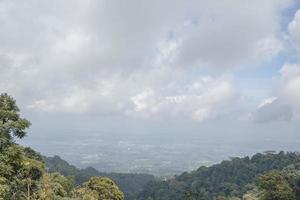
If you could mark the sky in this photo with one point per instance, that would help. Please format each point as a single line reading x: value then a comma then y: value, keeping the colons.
x: 135, y: 66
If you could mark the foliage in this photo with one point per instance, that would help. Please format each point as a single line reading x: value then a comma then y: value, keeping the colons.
x: 82, y: 193
x: 130, y: 184
x: 103, y: 188
x: 55, y: 186
x: 11, y: 124
x: 274, y: 186
x: 98, y: 188
x: 30, y: 153
x: 4, y: 188
x: 231, y: 178
x: 251, y: 195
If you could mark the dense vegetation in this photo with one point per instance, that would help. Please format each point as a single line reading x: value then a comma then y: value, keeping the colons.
x: 130, y: 184
x: 23, y: 174
x: 232, y: 178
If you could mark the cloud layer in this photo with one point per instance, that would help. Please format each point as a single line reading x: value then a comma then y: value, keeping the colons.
x: 139, y: 58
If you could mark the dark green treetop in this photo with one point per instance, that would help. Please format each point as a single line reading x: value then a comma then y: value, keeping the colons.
x: 274, y: 186
x: 11, y: 123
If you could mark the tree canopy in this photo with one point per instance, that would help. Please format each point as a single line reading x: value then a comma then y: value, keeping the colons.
x: 11, y: 124
x: 231, y: 178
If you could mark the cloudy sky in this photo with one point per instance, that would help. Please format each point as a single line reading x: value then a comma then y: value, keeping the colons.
x: 150, y: 64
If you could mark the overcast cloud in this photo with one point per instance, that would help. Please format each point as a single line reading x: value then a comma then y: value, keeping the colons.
x: 149, y: 59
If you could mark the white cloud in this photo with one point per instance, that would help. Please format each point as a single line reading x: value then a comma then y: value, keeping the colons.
x: 267, y: 101
x: 286, y: 105
x: 138, y: 58
x: 290, y: 84
x: 199, y: 100
x: 272, y: 109
x: 142, y: 101
x: 294, y: 28
x: 227, y: 40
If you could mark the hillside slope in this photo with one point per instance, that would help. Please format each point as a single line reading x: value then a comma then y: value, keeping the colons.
x: 229, y: 178
x: 130, y: 184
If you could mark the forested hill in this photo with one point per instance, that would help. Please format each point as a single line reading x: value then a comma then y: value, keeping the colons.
x: 232, y: 178
x: 130, y: 184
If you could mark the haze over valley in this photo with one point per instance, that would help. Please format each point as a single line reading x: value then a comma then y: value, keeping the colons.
x: 159, y: 154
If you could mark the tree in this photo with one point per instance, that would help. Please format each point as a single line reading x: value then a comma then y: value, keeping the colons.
x: 54, y: 186
x: 29, y: 176
x: 251, y: 195
x: 99, y: 188
x: 30, y: 153
x: 21, y: 172
x: 82, y: 193
x: 4, y: 188
x: 274, y: 186
x: 11, y: 124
